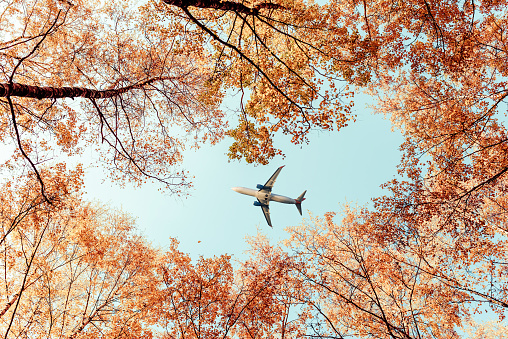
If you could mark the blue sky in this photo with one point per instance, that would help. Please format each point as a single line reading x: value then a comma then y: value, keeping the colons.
x: 334, y: 168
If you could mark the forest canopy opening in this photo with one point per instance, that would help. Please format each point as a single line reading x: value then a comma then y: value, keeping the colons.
x: 151, y: 83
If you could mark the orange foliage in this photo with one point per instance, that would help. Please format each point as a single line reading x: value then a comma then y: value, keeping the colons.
x: 78, y: 270
x: 151, y: 79
x: 70, y: 269
x: 431, y: 254
x: 208, y: 300
x: 420, y: 264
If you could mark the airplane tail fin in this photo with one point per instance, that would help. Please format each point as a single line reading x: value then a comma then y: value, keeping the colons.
x: 299, y: 201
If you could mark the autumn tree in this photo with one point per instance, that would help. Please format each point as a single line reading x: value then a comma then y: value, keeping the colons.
x: 70, y: 268
x: 285, y: 58
x: 426, y: 283
x: 440, y: 75
x: 210, y: 299
x: 370, y: 289
x: 438, y: 71
x: 138, y: 89
x: 151, y: 79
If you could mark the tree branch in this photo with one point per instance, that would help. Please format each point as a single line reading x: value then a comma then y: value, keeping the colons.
x: 38, y: 92
x: 223, y: 5
x: 22, y: 150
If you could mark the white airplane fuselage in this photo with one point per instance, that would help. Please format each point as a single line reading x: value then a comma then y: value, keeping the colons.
x: 264, y: 197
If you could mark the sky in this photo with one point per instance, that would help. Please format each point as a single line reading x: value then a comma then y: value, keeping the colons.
x: 335, y: 168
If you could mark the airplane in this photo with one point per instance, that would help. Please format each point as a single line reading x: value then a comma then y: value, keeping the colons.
x: 264, y: 195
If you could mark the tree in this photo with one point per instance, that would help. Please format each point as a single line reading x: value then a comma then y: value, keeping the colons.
x: 439, y: 72
x: 209, y: 299
x: 70, y: 269
x: 372, y: 289
x: 138, y: 89
x: 448, y: 101
x: 282, y: 54
x: 366, y: 278
x: 154, y: 76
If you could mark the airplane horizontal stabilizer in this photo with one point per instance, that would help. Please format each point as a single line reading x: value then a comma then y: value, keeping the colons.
x: 299, y: 207
x: 299, y: 201
x: 301, y: 197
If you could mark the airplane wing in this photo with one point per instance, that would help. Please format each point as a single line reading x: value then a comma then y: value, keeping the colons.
x: 266, y: 212
x: 269, y: 184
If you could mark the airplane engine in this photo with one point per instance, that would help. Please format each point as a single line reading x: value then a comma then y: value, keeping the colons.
x: 259, y: 186
x: 257, y: 203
